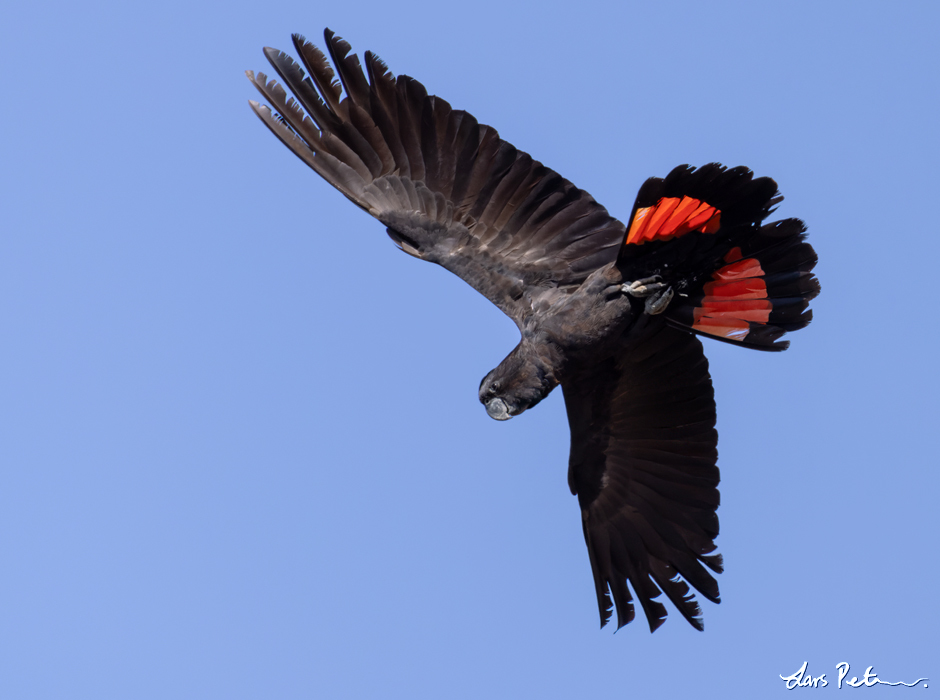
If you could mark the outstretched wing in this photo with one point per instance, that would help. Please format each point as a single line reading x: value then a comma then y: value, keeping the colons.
x: 448, y: 188
x: 643, y: 465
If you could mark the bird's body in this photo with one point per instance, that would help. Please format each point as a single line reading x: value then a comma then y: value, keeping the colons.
x: 608, y: 311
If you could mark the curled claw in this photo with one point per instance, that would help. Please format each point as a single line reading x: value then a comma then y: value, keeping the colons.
x: 657, y: 302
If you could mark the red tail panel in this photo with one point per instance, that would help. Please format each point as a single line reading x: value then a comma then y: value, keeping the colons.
x: 671, y: 217
x: 736, y: 298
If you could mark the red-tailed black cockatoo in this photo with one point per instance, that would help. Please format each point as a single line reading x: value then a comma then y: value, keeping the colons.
x: 610, y: 311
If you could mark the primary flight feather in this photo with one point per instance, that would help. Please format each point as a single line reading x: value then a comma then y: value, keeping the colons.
x: 608, y: 311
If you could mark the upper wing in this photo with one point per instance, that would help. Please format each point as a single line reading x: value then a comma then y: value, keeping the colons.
x: 448, y: 188
x: 643, y: 465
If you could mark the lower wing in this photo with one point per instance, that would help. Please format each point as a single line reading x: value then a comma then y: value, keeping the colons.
x: 643, y: 465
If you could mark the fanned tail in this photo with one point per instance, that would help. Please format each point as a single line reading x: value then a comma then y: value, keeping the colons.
x: 734, y: 279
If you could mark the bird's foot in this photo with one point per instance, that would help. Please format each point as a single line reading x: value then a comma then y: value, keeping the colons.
x: 657, y: 293
x: 643, y: 287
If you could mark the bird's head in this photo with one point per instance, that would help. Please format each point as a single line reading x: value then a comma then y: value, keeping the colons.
x: 518, y: 383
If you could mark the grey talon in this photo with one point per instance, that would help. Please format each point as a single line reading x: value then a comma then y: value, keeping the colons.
x: 657, y: 303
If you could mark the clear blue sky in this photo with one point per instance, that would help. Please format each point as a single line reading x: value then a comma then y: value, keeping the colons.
x: 242, y: 453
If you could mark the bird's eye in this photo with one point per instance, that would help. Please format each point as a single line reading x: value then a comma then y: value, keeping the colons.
x: 494, y: 387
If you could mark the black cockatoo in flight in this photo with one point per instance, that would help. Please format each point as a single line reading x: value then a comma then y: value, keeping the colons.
x: 609, y: 311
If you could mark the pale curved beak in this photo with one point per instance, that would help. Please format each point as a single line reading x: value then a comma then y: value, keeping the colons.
x: 497, y: 409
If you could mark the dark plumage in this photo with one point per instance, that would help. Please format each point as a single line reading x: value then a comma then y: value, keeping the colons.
x: 610, y: 312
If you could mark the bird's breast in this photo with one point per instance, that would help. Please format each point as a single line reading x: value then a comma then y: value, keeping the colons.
x: 588, y: 322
